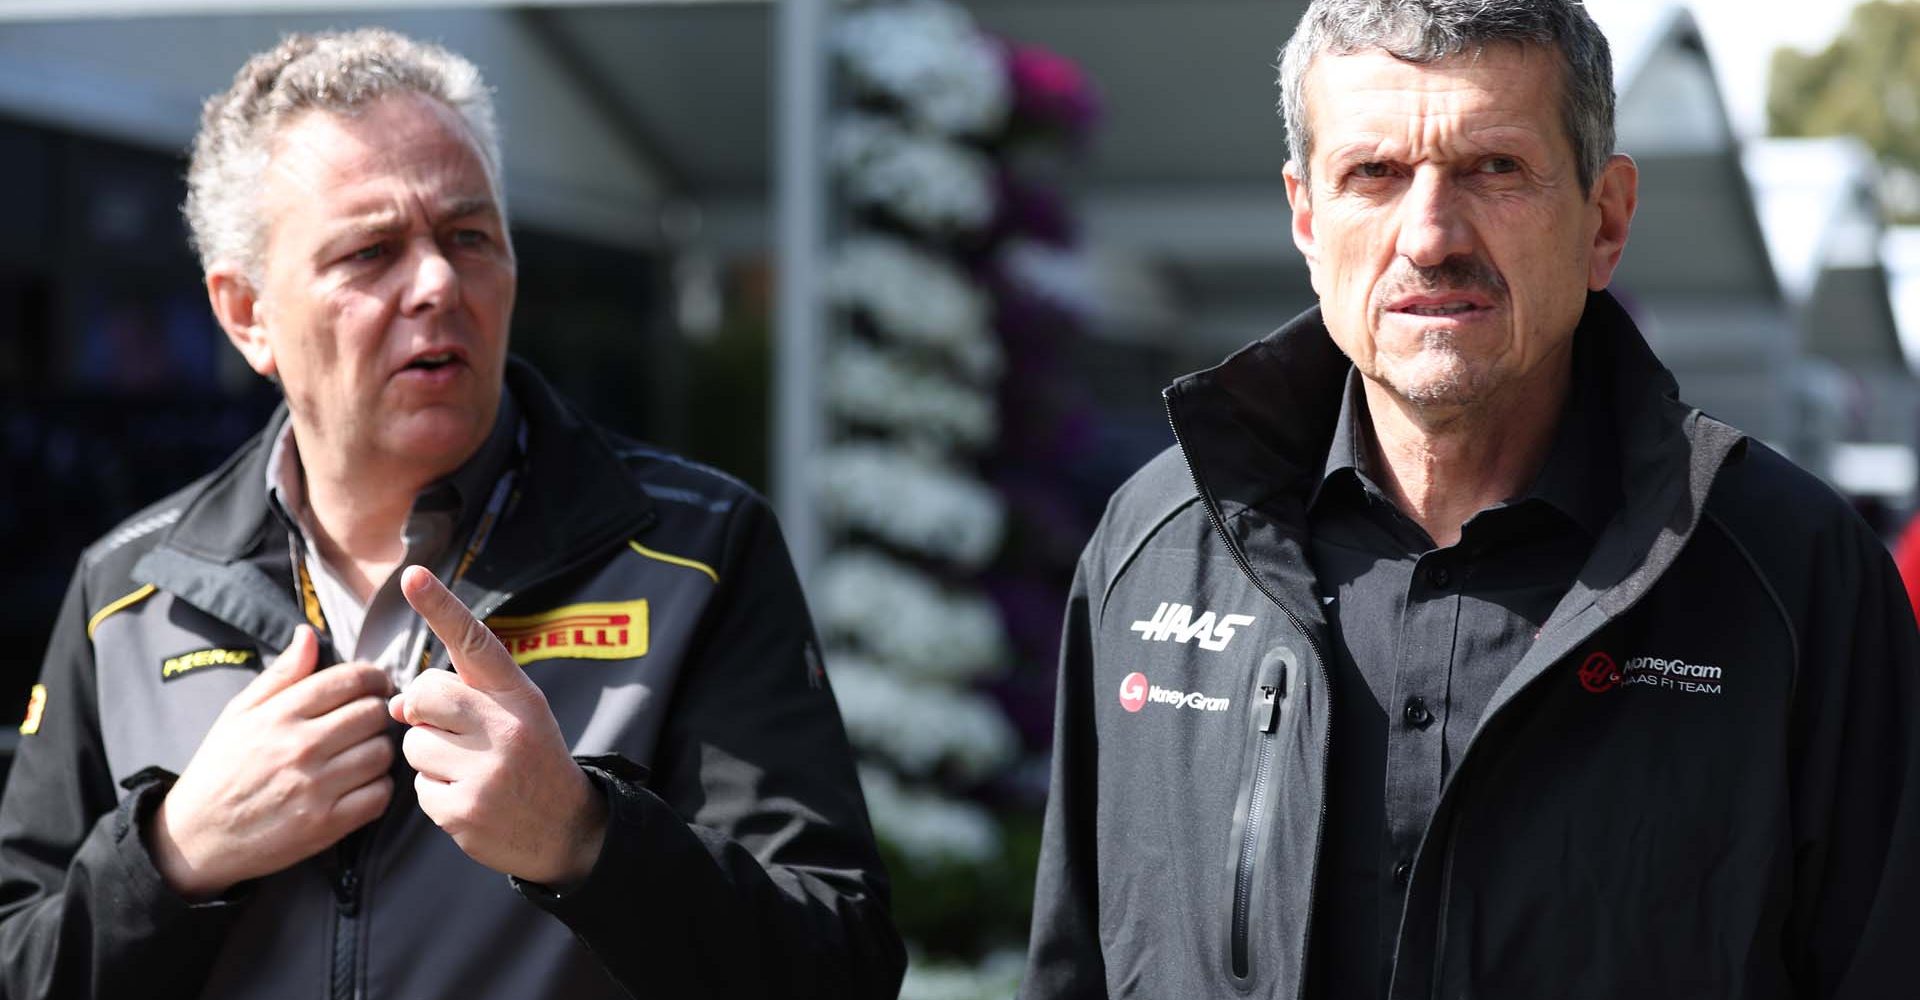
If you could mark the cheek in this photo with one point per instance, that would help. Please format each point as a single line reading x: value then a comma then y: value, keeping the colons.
x: 357, y: 327
x: 1353, y: 265
x: 487, y: 290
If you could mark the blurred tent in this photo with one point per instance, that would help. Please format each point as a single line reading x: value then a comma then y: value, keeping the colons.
x: 651, y: 125
x: 1823, y: 228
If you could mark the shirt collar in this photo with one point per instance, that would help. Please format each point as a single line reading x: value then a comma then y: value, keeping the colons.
x: 460, y: 494
x: 1576, y: 479
x: 1347, y: 455
x: 1579, y: 478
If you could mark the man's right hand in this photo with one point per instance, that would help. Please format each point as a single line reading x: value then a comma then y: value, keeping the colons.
x: 297, y: 760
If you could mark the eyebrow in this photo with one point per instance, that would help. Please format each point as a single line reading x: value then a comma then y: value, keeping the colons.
x: 382, y: 223
x: 462, y: 208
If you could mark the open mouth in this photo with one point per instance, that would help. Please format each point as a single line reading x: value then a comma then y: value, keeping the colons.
x: 431, y: 362
x: 1447, y: 309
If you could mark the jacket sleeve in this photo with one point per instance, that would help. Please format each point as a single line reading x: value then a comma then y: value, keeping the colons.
x: 744, y: 867
x: 1063, y: 959
x: 83, y: 911
x: 1856, y: 779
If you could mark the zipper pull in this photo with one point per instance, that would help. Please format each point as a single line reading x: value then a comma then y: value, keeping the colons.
x: 1270, y: 698
x: 346, y: 891
x: 1272, y: 688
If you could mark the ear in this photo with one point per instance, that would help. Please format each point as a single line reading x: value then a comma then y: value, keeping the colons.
x: 236, y: 305
x: 1616, y: 195
x: 1300, y: 199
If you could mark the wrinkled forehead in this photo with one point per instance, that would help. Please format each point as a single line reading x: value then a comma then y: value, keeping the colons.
x: 1372, y: 89
x: 327, y: 164
x: 395, y: 134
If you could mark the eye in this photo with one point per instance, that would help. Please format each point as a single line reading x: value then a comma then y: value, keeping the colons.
x: 471, y: 238
x: 1373, y: 169
x: 1499, y: 165
x: 370, y: 252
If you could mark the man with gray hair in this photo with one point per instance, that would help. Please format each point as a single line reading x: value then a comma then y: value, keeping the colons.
x: 266, y: 691
x: 1449, y: 654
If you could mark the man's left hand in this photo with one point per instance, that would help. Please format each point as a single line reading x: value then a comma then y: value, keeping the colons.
x: 494, y: 769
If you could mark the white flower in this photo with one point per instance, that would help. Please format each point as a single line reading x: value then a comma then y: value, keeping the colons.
x: 897, y: 616
x: 928, y: 828
x: 928, y: 57
x: 911, y: 501
x: 1064, y: 278
x: 903, y: 619
x: 997, y: 977
x: 881, y: 389
x: 934, y: 185
x: 918, y: 727
x: 916, y: 299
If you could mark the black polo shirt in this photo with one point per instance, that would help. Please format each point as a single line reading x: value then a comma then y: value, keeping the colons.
x: 1422, y: 637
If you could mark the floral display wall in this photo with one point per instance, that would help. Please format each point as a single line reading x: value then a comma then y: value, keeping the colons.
x: 945, y: 486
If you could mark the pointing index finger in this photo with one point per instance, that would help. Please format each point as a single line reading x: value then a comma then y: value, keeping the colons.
x: 481, y: 660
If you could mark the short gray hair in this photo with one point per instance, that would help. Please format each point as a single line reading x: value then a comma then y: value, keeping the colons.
x: 337, y: 72
x: 1424, y: 31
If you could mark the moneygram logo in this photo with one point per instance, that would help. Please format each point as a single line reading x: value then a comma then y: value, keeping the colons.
x: 1136, y: 692
x: 1599, y: 674
x: 1176, y: 622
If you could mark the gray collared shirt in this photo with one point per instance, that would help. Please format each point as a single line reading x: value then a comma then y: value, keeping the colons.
x: 385, y: 630
x: 1422, y: 637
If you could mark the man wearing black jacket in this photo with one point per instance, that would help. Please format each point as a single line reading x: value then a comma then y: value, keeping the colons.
x: 266, y: 691
x: 1448, y: 654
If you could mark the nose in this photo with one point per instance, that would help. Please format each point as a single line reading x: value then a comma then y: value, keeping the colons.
x: 432, y: 283
x: 1432, y: 226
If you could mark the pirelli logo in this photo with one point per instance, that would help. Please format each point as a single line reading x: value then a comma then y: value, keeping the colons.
x: 610, y: 630
x: 175, y: 667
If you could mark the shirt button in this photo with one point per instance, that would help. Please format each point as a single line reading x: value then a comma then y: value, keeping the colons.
x: 1416, y: 713
x: 1440, y: 577
x: 1401, y: 873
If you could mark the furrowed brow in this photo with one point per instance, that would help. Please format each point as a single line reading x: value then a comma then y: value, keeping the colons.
x: 467, y: 208
x: 366, y: 228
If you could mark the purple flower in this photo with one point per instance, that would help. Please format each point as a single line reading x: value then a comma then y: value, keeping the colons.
x: 1049, y: 90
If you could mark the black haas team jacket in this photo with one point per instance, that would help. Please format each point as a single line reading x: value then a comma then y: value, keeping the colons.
x: 1702, y: 781
x: 653, y: 602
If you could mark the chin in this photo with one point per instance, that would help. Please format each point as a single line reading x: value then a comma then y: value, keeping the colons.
x: 437, y: 441
x: 1447, y: 380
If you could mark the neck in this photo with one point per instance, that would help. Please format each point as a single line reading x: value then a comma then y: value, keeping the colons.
x: 1442, y: 466
x: 357, y: 518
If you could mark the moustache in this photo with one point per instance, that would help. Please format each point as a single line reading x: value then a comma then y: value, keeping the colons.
x: 1455, y: 274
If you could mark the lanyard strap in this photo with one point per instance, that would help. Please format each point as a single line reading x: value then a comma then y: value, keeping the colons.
x: 504, y: 495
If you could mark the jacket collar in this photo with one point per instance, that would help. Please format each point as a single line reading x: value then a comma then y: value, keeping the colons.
x: 226, y: 553
x: 1255, y: 432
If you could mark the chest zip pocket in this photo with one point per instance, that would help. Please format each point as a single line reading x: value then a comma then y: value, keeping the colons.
x: 1250, y: 813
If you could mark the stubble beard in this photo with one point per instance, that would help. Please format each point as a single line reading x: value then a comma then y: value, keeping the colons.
x: 1439, y: 377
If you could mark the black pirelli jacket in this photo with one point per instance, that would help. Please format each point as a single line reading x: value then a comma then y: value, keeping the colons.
x: 1702, y: 780
x: 654, y: 603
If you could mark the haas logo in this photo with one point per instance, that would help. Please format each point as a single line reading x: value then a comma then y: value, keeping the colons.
x: 1133, y: 692
x: 1599, y: 673
x: 1176, y: 622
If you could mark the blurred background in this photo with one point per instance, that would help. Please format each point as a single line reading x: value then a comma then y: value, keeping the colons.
x: 919, y: 269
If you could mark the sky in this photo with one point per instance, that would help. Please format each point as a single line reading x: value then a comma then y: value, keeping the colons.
x: 1741, y: 36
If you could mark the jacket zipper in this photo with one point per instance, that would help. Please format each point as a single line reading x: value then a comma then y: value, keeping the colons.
x: 1267, y: 718
x: 349, y: 891
x: 1243, y: 872
x: 349, y: 888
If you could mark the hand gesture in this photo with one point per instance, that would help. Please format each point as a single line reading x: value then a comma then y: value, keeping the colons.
x: 494, y: 769
x: 294, y: 762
